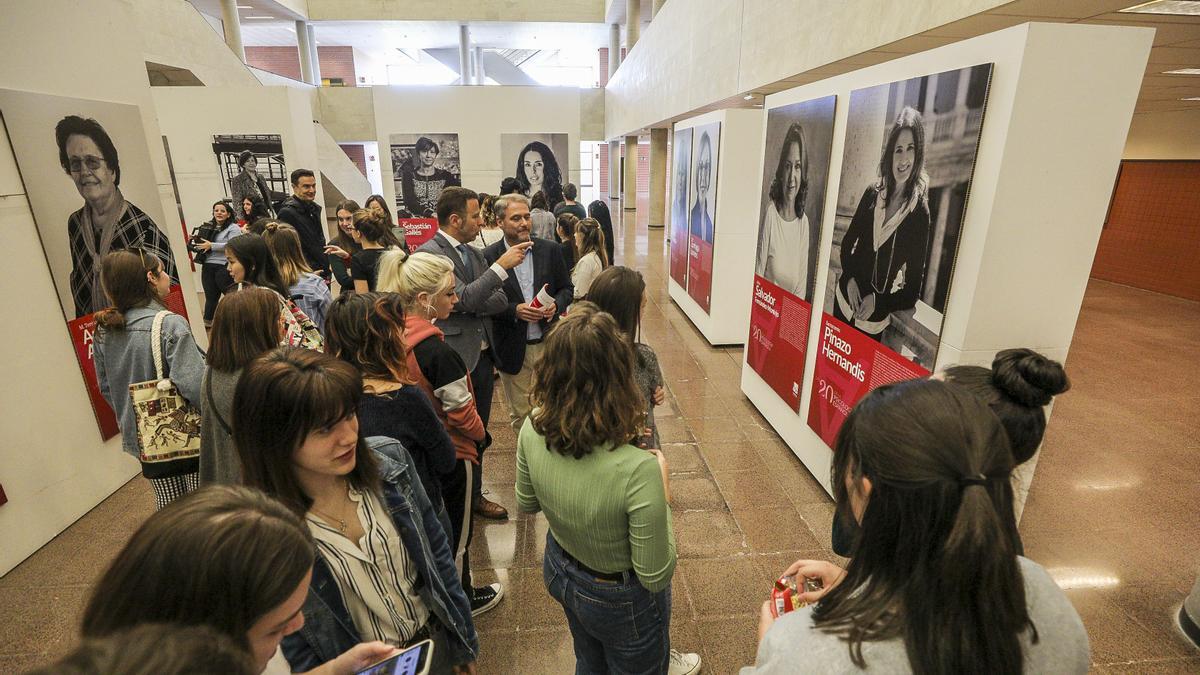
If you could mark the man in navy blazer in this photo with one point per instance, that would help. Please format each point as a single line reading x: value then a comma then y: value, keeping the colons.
x: 519, y: 329
x: 468, y: 329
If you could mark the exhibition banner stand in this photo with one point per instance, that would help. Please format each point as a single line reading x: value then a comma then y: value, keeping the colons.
x: 417, y: 231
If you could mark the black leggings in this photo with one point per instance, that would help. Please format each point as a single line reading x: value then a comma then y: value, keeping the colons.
x: 216, y: 280
x: 456, y: 492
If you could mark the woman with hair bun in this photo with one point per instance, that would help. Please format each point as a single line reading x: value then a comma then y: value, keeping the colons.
x: 1020, y: 383
x: 1018, y: 387
x: 935, y: 584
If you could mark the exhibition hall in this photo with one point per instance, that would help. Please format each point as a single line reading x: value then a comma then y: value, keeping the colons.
x: 600, y: 336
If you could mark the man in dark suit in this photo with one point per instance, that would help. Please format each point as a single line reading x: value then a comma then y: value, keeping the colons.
x: 468, y: 330
x: 519, y: 329
x: 702, y: 224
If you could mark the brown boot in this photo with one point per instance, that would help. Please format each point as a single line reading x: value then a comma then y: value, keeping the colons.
x: 489, y: 509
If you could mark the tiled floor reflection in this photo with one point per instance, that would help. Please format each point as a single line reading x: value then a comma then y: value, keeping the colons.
x: 1111, y: 513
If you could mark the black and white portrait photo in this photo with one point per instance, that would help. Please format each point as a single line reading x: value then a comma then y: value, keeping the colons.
x: 706, y: 142
x: 253, y: 171
x: 422, y: 166
x: 906, y: 172
x: 86, y: 169
x: 538, y: 161
x: 799, y: 141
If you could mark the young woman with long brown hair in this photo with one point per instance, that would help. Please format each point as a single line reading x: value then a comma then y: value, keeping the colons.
x: 384, y: 570
x: 935, y: 584
x: 610, y: 551
x: 247, y: 325
x: 252, y: 264
x: 343, y: 244
x: 621, y: 292
x: 366, y: 330
x: 589, y: 246
x: 135, y: 283
x: 309, y: 291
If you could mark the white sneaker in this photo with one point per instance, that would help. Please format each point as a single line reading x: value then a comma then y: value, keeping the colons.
x: 684, y: 664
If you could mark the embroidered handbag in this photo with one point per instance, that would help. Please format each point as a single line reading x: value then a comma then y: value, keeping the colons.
x: 168, y: 427
x: 301, y: 330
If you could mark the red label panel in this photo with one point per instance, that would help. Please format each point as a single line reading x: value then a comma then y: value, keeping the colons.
x: 778, y: 339
x: 849, y: 365
x: 417, y: 231
x: 700, y: 260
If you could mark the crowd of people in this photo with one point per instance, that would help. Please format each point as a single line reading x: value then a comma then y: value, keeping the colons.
x: 327, y: 518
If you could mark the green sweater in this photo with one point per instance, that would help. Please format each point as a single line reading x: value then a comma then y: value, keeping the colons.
x: 608, y: 509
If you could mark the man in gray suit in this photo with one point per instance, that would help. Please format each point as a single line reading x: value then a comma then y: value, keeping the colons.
x: 480, y: 289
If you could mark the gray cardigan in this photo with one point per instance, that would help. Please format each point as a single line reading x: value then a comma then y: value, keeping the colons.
x: 124, y: 356
x: 219, y: 461
x: 794, y: 645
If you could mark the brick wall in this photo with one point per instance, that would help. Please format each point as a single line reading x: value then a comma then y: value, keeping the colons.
x: 1151, y: 239
x: 602, y: 184
x: 285, y: 61
x: 357, y: 154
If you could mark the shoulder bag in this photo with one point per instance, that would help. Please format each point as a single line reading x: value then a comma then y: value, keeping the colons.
x: 168, y: 427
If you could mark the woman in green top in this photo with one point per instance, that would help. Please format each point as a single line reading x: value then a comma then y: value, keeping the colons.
x: 610, y: 551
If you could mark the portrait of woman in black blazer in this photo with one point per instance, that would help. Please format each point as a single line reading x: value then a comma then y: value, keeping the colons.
x: 884, y: 251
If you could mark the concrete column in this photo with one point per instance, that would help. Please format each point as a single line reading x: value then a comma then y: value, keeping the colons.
x: 614, y: 169
x: 658, y: 177
x: 305, y: 49
x: 658, y: 4
x: 233, y: 28
x: 614, y: 49
x: 633, y: 23
x: 464, y: 54
x: 629, y: 194
x: 479, y: 73
x: 314, y: 58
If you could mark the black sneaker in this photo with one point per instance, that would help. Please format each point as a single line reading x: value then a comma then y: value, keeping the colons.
x: 485, y: 598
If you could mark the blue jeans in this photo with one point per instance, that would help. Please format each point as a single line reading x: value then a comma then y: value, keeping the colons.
x: 618, y: 627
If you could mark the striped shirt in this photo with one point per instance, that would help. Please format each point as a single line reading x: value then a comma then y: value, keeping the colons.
x: 376, y: 575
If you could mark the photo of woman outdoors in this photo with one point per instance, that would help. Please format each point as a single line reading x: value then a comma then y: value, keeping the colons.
x: 252, y: 167
x: 422, y: 166
x: 910, y: 150
x: 539, y: 163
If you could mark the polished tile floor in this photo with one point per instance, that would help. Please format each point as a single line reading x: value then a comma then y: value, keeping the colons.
x: 1111, y: 513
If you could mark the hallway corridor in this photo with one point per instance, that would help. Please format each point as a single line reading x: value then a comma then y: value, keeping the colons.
x: 1111, y: 513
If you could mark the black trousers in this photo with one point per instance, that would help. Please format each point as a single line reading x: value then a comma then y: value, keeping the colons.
x: 456, y: 493
x: 483, y: 381
x: 216, y: 280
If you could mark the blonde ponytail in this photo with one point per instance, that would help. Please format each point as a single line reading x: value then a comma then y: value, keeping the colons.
x: 409, y: 275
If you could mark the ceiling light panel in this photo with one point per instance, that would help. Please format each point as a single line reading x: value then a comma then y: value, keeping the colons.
x: 1175, y: 7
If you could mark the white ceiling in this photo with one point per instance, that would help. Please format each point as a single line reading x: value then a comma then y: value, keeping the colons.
x: 391, y: 35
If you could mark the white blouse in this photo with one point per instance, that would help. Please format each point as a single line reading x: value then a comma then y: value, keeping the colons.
x: 585, y: 272
x: 783, y: 252
x: 376, y: 576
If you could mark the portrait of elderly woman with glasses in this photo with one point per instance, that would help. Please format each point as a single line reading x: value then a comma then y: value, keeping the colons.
x: 106, y: 222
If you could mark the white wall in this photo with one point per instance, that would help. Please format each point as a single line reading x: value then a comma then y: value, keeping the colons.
x: 53, y: 465
x: 479, y: 115
x: 190, y: 116
x: 1060, y: 103
x: 696, y: 52
x: 174, y: 33
x: 734, y: 234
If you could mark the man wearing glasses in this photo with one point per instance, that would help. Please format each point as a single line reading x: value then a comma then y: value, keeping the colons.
x: 106, y: 222
x: 702, y: 224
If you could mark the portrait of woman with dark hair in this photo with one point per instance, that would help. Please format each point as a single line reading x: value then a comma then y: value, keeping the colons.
x: 786, y: 243
x: 884, y: 251
x: 422, y: 180
x: 249, y: 184
x: 106, y: 222
x: 538, y: 171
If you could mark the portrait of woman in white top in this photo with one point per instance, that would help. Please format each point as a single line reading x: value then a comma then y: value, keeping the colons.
x: 786, y: 250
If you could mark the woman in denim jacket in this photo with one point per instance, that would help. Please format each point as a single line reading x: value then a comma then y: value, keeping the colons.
x: 384, y: 570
